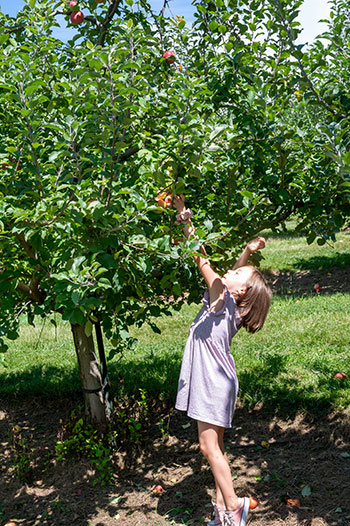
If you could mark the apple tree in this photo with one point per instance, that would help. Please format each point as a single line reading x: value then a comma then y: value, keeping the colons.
x: 92, y: 129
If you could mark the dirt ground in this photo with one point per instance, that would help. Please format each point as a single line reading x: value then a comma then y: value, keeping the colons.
x: 271, y: 458
x: 303, y: 457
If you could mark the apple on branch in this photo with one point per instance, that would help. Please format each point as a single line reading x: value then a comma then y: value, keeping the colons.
x: 170, y: 57
x: 164, y: 199
x: 73, y: 6
x: 77, y: 18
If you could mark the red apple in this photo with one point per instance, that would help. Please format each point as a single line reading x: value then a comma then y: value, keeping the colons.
x: 170, y: 57
x: 317, y: 288
x: 158, y: 489
x: 253, y: 503
x: 73, y: 5
x: 100, y: 1
x: 340, y: 376
x: 77, y: 18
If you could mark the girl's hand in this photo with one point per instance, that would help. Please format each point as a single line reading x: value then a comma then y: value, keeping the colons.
x: 179, y: 202
x: 256, y: 244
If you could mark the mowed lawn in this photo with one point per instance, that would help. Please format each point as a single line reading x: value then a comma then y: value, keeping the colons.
x: 287, y: 367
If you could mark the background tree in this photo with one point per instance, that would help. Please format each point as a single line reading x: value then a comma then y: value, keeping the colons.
x: 243, y: 122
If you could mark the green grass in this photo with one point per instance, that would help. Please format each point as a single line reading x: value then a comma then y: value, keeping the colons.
x: 292, y: 253
x: 287, y: 367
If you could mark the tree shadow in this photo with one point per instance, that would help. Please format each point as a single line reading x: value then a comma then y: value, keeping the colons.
x: 302, y: 282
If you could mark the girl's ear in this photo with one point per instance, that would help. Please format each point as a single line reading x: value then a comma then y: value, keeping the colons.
x: 241, y: 290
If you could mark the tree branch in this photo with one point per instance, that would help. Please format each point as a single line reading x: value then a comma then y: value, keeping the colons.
x: 113, y: 6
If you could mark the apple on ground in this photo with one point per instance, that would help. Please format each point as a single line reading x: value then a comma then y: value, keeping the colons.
x: 317, y: 288
x: 170, y: 57
x: 77, y: 18
x: 158, y: 489
x: 340, y: 376
x: 253, y: 503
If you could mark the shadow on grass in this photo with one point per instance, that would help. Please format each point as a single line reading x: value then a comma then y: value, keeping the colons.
x: 46, y: 380
x: 301, y: 283
x: 325, y: 263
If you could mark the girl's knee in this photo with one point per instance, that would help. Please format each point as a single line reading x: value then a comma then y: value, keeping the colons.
x: 209, y: 451
x: 203, y: 446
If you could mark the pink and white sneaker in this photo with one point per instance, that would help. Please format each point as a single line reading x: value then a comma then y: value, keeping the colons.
x: 239, y: 516
x: 218, y: 516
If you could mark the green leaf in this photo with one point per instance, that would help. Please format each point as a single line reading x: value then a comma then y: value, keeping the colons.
x: 88, y: 328
x: 306, y: 491
x: 311, y: 238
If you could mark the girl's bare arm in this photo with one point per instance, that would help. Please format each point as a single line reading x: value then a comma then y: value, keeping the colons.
x: 253, y: 246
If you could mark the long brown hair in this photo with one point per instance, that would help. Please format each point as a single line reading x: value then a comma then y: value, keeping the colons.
x: 254, y: 304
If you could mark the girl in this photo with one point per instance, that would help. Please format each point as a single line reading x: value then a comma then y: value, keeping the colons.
x: 208, y: 384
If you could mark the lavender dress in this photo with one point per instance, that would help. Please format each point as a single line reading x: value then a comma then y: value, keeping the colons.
x: 208, y: 384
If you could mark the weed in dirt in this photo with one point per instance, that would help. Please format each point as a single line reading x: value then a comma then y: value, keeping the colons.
x: 22, y: 454
x: 81, y: 439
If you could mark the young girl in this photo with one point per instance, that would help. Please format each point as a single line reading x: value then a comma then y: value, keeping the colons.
x: 208, y: 384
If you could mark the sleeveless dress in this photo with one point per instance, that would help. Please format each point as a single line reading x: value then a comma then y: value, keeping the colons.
x: 208, y: 384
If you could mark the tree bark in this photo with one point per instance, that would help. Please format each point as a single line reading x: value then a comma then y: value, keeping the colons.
x: 90, y: 376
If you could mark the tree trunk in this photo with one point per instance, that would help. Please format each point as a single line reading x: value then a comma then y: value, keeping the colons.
x: 90, y: 376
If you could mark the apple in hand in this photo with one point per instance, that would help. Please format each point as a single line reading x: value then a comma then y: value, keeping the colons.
x: 170, y: 57
x: 77, y: 18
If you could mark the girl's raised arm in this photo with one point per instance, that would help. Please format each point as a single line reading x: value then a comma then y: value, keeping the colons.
x: 253, y: 246
x: 211, y: 277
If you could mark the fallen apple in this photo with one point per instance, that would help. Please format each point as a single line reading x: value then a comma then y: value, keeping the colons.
x: 170, y: 57
x: 317, y: 288
x: 340, y: 376
x: 77, y: 18
x: 253, y: 503
x: 158, y: 489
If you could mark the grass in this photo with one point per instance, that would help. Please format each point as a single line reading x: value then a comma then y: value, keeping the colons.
x: 289, y: 366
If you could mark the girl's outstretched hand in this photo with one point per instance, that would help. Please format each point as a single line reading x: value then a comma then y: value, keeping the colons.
x: 256, y: 244
x: 179, y: 202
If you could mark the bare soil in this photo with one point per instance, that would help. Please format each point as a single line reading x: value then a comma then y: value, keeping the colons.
x: 303, y: 456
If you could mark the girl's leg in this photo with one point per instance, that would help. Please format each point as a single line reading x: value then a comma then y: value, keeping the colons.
x: 220, y: 502
x: 211, y: 445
